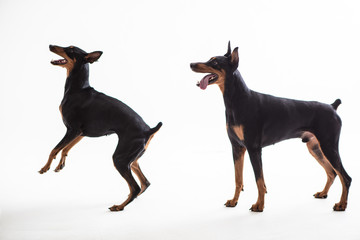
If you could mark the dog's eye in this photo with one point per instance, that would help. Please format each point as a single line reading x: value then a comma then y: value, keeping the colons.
x: 215, y: 63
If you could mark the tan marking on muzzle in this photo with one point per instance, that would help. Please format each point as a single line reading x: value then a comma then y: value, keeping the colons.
x: 70, y: 62
x: 203, y: 68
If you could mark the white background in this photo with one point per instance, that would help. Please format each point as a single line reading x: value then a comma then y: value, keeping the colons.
x: 305, y: 49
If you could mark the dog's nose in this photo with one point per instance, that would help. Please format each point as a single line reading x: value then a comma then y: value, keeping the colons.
x: 192, y: 65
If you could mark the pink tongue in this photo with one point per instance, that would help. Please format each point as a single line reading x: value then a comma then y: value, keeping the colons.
x: 204, y: 82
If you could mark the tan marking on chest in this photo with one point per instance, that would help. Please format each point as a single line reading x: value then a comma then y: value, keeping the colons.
x: 239, y: 131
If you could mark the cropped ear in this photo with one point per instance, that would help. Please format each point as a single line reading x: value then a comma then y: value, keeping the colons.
x: 93, y: 57
x: 228, y: 51
x: 234, y: 59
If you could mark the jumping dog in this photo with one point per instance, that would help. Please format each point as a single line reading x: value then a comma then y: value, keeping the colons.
x: 255, y: 120
x: 87, y: 112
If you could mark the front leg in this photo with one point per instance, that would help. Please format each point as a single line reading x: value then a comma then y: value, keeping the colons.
x: 238, y: 155
x: 65, y: 152
x: 256, y: 162
x: 68, y: 138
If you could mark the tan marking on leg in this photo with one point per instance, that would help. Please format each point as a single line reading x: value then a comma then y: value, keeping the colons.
x: 60, y: 109
x: 121, y: 207
x: 314, y: 148
x: 136, y: 169
x: 341, y: 206
x: 239, y: 130
x: 52, y: 156
x: 320, y: 157
x: 239, y: 167
x: 65, y: 152
x: 259, y: 205
x: 148, y: 142
x: 144, y: 182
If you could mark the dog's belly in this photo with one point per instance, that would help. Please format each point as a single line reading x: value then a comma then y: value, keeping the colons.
x: 100, y: 126
x: 270, y: 139
x: 93, y: 133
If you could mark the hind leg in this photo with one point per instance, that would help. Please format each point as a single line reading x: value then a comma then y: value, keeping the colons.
x: 313, y: 146
x: 144, y: 182
x: 331, y: 152
x: 125, y: 154
x: 334, y: 158
x: 136, y: 168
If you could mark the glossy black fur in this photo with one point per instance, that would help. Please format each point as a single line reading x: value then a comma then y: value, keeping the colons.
x: 87, y: 112
x: 266, y: 119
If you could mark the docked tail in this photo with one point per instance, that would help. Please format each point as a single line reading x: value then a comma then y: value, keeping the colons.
x: 155, y: 129
x: 336, y: 104
x: 151, y: 134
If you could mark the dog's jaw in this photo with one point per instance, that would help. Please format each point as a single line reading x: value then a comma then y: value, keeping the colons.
x: 207, y: 80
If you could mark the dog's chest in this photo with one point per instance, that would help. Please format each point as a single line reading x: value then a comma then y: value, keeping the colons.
x: 70, y: 109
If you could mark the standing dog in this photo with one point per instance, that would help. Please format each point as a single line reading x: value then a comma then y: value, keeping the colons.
x: 255, y: 120
x: 87, y: 112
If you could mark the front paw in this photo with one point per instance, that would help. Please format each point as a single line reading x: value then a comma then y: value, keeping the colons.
x: 340, y: 206
x: 44, y: 170
x: 320, y: 195
x: 256, y: 208
x: 116, y: 208
x: 231, y: 203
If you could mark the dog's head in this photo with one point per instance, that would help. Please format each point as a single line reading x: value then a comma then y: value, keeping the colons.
x: 73, y: 56
x: 217, y: 67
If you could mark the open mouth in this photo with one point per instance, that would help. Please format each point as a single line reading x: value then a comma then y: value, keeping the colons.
x: 59, y: 62
x: 207, y: 80
x: 60, y: 52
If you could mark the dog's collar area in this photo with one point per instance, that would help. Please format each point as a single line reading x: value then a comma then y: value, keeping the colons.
x: 59, y: 62
x: 207, y: 80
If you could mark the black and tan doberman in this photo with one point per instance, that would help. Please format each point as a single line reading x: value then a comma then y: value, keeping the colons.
x: 255, y: 120
x: 87, y: 112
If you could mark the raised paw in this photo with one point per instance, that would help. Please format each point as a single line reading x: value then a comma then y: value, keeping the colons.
x: 116, y: 208
x: 320, y: 195
x: 340, y: 206
x: 256, y: 208
x: 231, y: 203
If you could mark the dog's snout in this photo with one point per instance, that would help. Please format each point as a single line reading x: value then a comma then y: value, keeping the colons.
x: 192, y: 65
x: 54, y: 47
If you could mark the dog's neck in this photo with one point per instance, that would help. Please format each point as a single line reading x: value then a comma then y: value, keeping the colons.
x: 77, y: 79
x: 235, y: 88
